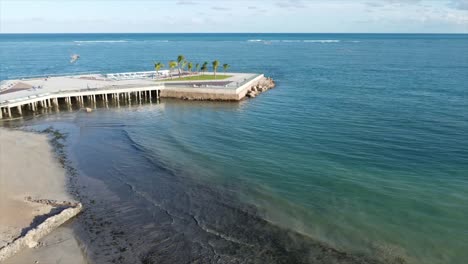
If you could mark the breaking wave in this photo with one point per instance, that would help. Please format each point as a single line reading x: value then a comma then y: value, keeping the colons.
x: 100, y: 41
x: 323, y: 41
x: 297, y: 40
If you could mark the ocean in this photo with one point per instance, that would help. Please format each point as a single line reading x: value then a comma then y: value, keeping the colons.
x: 359, y: 154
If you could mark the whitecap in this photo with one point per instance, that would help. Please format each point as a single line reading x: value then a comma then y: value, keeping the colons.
x: 322, y: 40
x: 100, y: 41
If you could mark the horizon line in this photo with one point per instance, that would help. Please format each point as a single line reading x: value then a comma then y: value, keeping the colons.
x: 369, y: 33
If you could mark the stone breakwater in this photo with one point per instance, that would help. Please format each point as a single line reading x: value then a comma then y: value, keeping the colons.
x: 263, y: 85
x: 67, y: 210
x: 250, y: 89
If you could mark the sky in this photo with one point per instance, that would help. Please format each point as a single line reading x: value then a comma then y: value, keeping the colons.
x: 167, y: 16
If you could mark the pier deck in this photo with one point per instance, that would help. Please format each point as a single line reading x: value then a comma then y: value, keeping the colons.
x: 45, y: 92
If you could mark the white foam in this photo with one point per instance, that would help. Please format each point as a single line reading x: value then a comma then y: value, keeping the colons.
x: 100, y: 41
x: 322, y: 40
x: 156, y: 40
x: 297, y: 40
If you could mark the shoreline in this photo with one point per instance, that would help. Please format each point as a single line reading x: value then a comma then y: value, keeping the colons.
x: 33, y: 184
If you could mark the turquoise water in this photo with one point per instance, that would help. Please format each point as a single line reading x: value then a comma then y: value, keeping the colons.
x: 362, y: 145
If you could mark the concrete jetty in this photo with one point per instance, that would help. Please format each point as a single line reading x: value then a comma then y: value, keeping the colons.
x: 79, y: 90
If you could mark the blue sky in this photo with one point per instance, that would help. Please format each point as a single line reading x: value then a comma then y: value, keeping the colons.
x: 70, y: 16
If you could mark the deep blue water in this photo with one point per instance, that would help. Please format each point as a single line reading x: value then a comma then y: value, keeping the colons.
x: 362, y: 145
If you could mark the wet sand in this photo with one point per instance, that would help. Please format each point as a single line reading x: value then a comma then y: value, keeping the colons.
x: 28, y: 168
x: 59, y: 246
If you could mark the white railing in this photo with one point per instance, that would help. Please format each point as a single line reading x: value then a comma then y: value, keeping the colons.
x: 62, y: 92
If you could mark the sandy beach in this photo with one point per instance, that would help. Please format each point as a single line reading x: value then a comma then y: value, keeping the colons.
x: 28, y: 168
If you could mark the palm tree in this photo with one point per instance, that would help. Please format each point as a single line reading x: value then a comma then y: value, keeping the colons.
x: 183, y: 64
x: 180, y: 59
x: 172, y: 65
x: 197, y: 68
x: 215, y: 67
x: 226, y: 67
x: 190, y: 67
x: 204, y: 67
x: 158, y: 66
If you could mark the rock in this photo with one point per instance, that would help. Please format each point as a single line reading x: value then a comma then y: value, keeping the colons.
x: 31, y: 243
x: 88, y: 110
x: 251, y: 94
x: 262, y: 86
x: 33, y: 235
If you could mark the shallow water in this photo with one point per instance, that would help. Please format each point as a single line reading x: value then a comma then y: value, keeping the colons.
x: 362, y: 145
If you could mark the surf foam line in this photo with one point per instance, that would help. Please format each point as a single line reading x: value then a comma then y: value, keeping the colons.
x: 100, y: 41
x: 296, y: 40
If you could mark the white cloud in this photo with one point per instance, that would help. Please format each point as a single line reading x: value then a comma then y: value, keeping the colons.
x: 249, y: 15
x: 459, y: 4
x: 220, y: 8
x: 291, y: 4
x: 186, y: 2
